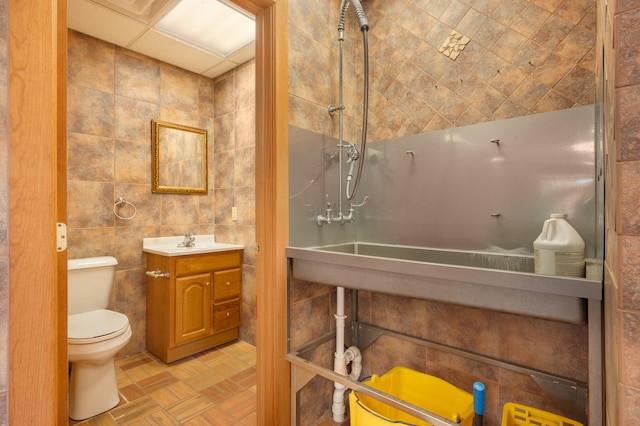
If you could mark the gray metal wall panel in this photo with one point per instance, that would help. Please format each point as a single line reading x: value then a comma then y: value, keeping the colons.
x: 443, y: 196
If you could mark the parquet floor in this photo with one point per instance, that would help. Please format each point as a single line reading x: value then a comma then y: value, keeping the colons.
x: 216, y: 387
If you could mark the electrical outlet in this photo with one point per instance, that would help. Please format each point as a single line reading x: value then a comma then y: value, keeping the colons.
x: 234, y: 213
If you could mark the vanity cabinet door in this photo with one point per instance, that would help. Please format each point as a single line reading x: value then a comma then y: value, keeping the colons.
x: 193, y: 308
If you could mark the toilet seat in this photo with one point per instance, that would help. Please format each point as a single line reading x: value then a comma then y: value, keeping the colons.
x: 96, y: 326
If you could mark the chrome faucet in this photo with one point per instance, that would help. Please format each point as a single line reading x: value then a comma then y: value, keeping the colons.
x: 320, y: 220
x: 329, y: 218
x: 189, y: 240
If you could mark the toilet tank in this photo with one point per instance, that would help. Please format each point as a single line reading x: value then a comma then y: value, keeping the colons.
x: 90, y: 281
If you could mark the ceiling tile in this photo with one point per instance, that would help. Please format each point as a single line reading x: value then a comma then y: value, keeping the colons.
x: 104, y: 24
x: 160, y: 46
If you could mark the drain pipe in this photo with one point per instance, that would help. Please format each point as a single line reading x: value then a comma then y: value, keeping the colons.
x: 354, y: 357
x: 341, y: 359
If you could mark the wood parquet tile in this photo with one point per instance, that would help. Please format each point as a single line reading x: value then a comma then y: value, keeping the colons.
x: 213, y: 388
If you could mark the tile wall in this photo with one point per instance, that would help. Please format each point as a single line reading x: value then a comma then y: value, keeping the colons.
x: 113, y: 93
x: 523, y: 57
x: 620, y: 22
x: 4, y: 210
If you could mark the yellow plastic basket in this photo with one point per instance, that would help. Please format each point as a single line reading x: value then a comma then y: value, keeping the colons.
x: 428, y: 392
x: 521, y: 415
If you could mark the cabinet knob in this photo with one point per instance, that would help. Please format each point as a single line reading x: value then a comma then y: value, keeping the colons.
x: 207, y: 283
x: 228, y: 283
x: 228, y: 314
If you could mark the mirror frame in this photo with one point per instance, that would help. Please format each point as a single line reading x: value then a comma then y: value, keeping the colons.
x: 156, y: 187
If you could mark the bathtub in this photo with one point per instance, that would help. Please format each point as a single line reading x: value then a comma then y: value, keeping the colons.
x: 503, y: 282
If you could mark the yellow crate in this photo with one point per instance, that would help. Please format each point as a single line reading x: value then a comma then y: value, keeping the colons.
x: 521, y: 415
x: 428, y: 392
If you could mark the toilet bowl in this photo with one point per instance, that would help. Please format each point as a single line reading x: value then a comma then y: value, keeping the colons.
x: 95, y: 335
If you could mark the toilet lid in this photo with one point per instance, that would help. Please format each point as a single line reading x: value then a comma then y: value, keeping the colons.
x: 95, y: 324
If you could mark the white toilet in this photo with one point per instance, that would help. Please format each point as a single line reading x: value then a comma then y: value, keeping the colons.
x: 95, y: 336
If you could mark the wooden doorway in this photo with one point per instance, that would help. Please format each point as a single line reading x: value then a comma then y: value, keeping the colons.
x: 272, y: 219
x: 37, y: 272
x: 37, y: 193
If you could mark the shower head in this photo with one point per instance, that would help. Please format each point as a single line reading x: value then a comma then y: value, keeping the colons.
x: 364, y: 24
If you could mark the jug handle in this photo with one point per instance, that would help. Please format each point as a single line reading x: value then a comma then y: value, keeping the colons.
x: 548, y: 229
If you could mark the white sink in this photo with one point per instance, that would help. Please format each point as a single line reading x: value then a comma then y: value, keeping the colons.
x: 169, y: 246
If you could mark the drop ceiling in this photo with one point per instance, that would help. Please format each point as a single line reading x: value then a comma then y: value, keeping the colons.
x: 130, y: 24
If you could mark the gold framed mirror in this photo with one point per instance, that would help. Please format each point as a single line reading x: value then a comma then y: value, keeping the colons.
x: 178, y: 159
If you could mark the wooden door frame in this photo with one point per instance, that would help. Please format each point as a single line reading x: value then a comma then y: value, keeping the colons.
x: 37, y: 197
x: 272, y: 208
x: 37, y: 381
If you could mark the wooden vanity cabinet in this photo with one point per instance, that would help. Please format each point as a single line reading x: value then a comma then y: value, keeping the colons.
x: 198, y: 307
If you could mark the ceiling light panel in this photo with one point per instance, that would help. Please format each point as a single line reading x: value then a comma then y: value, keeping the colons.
x: 209, y: 24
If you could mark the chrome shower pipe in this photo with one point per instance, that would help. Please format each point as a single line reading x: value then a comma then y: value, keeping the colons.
x: 344, y: 6
x: 340, y: 123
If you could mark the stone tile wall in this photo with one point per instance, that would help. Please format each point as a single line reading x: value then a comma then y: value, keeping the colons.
x: 113, y: 94
x: 621, y: 38
x: 523, y: 57
x: 234, y: 177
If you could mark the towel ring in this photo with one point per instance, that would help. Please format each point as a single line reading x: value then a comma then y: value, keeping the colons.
x: 121, y: 202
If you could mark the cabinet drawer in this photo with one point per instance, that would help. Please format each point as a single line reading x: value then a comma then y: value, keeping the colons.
x: 225, y: 316
x: 198, y: 263
x: 226, y: 284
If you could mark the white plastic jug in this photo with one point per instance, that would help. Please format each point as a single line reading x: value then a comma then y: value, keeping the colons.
x: 559, y: 250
